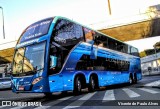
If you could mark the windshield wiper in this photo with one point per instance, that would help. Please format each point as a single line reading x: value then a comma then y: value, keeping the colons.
x: 39, y: 69
x: 29, y: 72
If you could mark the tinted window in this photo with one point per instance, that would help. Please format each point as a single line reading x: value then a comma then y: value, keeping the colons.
x: 102, y: 63
x: 67, y: 33
x: 89, y: 35
x: 112, y: 44
x: 101, y: 40
x: 134, y: 51
x: 122, y: 47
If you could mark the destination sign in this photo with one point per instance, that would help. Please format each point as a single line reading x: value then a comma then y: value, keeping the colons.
x: 36, y: 30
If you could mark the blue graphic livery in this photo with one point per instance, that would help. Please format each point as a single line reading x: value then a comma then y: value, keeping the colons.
x: 57, y: 54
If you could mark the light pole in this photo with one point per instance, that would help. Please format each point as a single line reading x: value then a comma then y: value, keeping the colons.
x: 3, y: 23
x: 109, y: 7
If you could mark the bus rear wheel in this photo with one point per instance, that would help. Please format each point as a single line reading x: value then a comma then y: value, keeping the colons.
x: 131, y: 81
x: 77, y: 86
x: 135, y: 79
x: 92, y: 84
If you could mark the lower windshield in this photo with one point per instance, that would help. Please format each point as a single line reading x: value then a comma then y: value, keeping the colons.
x: 28, y: 60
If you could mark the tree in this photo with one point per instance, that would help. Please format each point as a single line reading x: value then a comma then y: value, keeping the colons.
x: 157, y: 45
x: 153, y: 13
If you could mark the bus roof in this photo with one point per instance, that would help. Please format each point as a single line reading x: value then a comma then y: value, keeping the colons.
x: 55, y: 18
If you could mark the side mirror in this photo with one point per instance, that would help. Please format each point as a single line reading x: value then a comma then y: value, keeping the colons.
x: 53, y: 61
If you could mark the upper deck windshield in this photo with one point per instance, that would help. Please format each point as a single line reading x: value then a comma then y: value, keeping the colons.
x: 28, y: 60
x: 35, y: 30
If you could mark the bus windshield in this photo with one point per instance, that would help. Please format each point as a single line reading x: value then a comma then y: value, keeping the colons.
x: 29, y: 60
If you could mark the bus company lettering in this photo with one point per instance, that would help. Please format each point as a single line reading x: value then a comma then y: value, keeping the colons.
x: 28, y: 42
x: 32, y: 36
x: 42, y: 23
x: 69, y: 68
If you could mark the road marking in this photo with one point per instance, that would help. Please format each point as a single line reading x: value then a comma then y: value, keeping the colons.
x: 155, y: 83
x: 109, y: 95
x: 130, y: 93
x: 149, y: 90
x: 2, y: 106
x: 42, y: 107
x: 18, y: 107
x: 79, y: 103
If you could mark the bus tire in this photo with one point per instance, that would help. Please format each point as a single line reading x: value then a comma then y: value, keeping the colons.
x: 135, y: 79
x: 92, y: 84
x: 64, y: 92
x: 131, y: 81
x: 77, y: 86
x: 47, y: 94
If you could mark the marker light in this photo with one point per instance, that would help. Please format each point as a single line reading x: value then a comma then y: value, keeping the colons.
x: 36, y: 80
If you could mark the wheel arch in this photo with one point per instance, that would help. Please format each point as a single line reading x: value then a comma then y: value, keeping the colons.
x: 82, y: 77
x: 95, y: 76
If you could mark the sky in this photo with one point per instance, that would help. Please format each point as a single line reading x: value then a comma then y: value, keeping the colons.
x: 18, y: 14
x: 146, y: 43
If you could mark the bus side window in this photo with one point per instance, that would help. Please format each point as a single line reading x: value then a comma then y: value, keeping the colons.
x: 134, y: 51
x: 88, y: 34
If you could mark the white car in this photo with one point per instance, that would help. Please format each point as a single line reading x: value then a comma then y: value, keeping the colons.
x: 5, y: 83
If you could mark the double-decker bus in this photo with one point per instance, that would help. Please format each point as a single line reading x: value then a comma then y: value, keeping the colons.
x: 58, y: 55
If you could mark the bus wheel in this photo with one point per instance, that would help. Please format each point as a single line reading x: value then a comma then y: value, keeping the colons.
x: 131, y: 79
x: 135, y: 78
x: 92, y: 84
x: 64, y: 92
x: 77, y: 86
x: 47, y: 94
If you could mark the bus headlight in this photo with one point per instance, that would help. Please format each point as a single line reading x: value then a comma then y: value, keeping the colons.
x: 36, y: 80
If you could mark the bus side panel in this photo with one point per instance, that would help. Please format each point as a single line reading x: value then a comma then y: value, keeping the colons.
x: 69, y: 70
x: 56, y: 82
x: 114, y: 77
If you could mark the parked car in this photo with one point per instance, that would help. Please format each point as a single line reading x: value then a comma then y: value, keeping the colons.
x: 5, y: 83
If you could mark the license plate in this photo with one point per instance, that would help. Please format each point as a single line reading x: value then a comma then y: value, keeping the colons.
x: 21, y: 88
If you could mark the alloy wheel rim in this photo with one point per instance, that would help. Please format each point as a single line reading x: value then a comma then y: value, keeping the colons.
x: 79, y: 85
x: 93, y: 84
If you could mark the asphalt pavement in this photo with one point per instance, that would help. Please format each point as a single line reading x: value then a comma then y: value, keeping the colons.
x: 144, y: 94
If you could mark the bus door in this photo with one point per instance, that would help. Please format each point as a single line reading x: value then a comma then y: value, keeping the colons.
x: 56, y: 62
